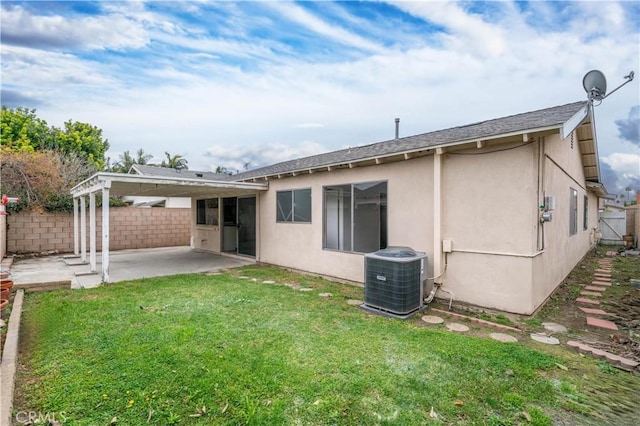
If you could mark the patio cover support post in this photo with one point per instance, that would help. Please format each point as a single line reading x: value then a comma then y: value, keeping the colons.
x: 83, y: 229
x: 437, y: 217
x: 92, y: 231
x: 76, y: 236
x: 105, y: 231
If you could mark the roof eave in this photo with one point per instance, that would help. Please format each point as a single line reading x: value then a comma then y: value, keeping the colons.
x: 407, y: 153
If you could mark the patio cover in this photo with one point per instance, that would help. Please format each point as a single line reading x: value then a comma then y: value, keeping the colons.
x: 119, y: 184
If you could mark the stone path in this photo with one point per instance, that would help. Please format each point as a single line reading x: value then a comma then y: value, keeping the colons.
x: 601, y: 282
x: 615, y: 360
x: 462, y: 328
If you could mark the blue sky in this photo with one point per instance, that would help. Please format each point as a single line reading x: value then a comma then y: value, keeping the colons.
x: 229, y: 83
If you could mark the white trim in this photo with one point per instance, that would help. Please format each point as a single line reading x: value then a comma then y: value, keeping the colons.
x: 571, y: 124
x: 95, y: 183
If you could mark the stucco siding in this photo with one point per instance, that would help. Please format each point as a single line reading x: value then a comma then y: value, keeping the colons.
x: 491, y: 281
x: 562, y: 251
x: 489, y: 201
x: 300, y: 245
x: 490, y: 212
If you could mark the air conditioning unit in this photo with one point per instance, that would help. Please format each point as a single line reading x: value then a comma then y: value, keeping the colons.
x: 393, y: 281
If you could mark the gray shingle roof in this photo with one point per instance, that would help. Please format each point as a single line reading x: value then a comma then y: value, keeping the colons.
x: 549, y: 117
x: 167, y: 172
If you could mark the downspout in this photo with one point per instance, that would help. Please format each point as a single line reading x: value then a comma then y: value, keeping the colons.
x: 437, y: 215
x: 438, y: 270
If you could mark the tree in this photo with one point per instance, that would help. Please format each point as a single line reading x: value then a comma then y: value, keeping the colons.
x: 123, y: 165
x: 22, y: 130
x: 42, y: 179
x: 174, y: 161
x: 84, y: 139
x: 223, y: 170
x: 628, y: 189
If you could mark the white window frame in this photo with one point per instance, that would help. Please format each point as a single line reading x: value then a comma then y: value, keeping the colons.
x: 573, y: 211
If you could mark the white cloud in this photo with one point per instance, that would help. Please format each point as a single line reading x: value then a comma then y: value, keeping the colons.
x: 187, y: 99
x: 626, y: 165
x: 93, y: 32
x: 235, y: 158
x: 301, y: 16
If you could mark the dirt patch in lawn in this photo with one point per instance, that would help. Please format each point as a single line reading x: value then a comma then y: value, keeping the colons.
x: 621, y: 300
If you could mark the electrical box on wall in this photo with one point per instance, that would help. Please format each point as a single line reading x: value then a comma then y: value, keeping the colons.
x: 447, y: 246
x: 549, y: 203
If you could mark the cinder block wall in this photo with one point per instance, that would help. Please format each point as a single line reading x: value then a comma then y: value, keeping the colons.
x: 129, y: 228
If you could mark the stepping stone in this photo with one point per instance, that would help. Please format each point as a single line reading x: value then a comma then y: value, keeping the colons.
x: 592, y: 311
x: 556, y: 328
x: 612, y: 253
x: 268, y: 282
x: 601, y: 323
x: 574, y: 344
x: 595, y: 288
x: 586, y: 300
x: 354, y: 302
x: 432, y: 319
x: 501, y: 337
x: 305, y: 289
x: 454, y: 326
x: 590, y: 293
x: 598, y: 353
x: 602, y: 277
x: 325, y: 295
x: 605, y: 283
x: 543, y: 338
x: 603, y: 271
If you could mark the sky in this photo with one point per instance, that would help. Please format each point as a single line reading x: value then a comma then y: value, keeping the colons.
x: 250, y: 83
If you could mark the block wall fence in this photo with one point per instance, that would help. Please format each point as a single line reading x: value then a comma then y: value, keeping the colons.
x: 129, y: 228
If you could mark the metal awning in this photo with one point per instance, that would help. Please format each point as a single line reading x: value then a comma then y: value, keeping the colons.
x: 122, y: 184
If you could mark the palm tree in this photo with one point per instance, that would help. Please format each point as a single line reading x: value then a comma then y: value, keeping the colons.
x: 126, y: 161
x: 175, y: 162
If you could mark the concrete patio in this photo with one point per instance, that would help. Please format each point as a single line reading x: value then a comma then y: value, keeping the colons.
x: 124, y: 265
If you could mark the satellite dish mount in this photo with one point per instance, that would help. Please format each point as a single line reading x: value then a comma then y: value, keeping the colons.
x: 595, y: 84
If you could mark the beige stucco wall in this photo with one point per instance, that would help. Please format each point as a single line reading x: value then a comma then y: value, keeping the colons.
x: 489, y: 212
x: 299, y: 245
x: 563, y: 171
x: 205, y: 238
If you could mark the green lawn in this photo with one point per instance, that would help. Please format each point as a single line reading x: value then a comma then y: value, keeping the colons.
x: 222, y: 349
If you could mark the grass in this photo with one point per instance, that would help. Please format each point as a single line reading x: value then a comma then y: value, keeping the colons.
x: 224, y: 349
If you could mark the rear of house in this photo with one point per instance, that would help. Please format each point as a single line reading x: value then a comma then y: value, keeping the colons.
x: 481, y: 189
x: 504, y: 208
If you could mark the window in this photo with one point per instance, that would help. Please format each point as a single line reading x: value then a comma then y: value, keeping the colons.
x: 585, y: 224
x: 355, y: 217
x: 207, y: 212
x: 573, y: 212
x: 294, y: 206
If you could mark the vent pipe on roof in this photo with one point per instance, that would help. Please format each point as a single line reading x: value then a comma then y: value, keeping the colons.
x: 397, y: 128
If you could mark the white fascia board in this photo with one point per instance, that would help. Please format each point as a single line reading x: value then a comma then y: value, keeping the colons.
x: 571, y: 124
x: 104, y: 179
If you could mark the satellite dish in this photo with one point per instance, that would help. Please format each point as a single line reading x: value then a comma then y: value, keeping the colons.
x: 595, y: 84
